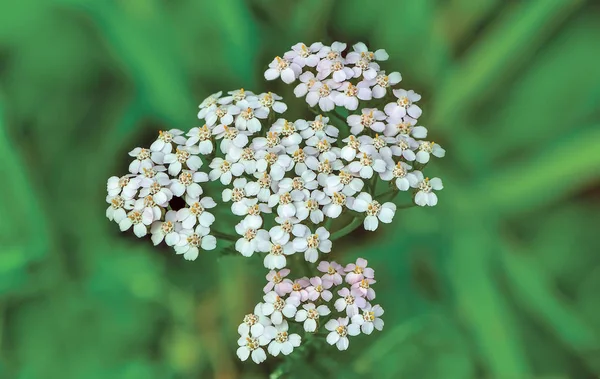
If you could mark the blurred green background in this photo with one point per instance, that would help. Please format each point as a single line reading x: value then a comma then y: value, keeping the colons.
x: 500, y: 280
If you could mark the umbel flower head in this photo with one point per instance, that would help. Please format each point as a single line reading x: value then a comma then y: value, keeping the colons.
x: 295, y: 186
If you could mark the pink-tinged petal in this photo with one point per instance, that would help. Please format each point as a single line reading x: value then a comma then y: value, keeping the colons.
x: 353, y: 329
x: 288, y: 75
x: 271, y: 74
x: 367, y: 328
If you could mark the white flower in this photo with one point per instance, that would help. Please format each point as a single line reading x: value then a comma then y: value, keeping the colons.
x: 361, y: 51
x: 303, y: 55
x: 251, y: 240
x: 381, y: 83
x: 404, y: 126
x: 363, y: 289
x: 254, y: 323
x: 349, y: 303
x: 182, y: 156
x: 187, y: 183
x: 147, y: 203
x: 231, y: 138
x: 335, y: 208
x: 248, y: 119
x: 367, y: 68
x: 191, y: 241
x: 348, y: 95
x: 404, y: 147
x: 278, y: 282
x: 369, y: 319
x: 241, y: 189
x: 144, y: 159
x: 336, y: 67
x: 332, y: 272
x: 116, y: 184
x: 253, y: 211
x: 310, y: 316
x: 318, y: 127
x: 332, y: 52
x: 358, y: 271
x: 139, y: 221
x: 352, y: 147
x: 207, y: 103
x: 319, y: 289
x: 299, y: 289
x: 403, y: 179
x: 367, y: 164
x: 221, y: 113
x: 196, y: 213
x: 311, y: 244
x: 376, y: 145
x: 307, y: 81
x: 284, y: 201
x: 267, y: 101
x: 339, y: 332
x: 276, y: 260
x: 344, y: 182
x: 118, y: 208
x: 276, y: 164
x: 287, y: 226
x: 300, y: 186
x: 165, y: 139
x: 281, y: 67
x: 404, y: 105
x: 370, y: 118
x: 166, y: 230
x: 428, y: 148
x: 291, y: 138
x: 265, y: 183
x: 224, y: 170
x: 235, y: 96
x: 323, y: 148
x: 250, y: 344
x: 155, y: 186
x: 202, y: 137
x: 375, y: 212
x: 283, y: 342
x: 310, y: 207
x: 323, y: 94
x: 276, y: 307
x: 425, y: 195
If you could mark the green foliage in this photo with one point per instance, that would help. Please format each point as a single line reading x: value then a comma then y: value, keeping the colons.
x: 500, y: 280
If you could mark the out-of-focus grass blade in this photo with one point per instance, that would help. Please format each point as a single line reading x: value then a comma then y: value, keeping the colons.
x: 533, y: 289
x: 566, y: 166
x: 239, y: 38
x: 507, y: 47
x: 460, y: 17
x: 143, y: 41
x: 549, y: 99
x: 23, y: 229
x: 479, y: 301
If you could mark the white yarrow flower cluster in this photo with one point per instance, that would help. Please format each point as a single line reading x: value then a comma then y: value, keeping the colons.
x: 306, y: 305
x: 295, y: 186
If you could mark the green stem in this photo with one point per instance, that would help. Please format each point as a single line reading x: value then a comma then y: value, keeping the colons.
x: 224, y: 236
x: 346, y: 229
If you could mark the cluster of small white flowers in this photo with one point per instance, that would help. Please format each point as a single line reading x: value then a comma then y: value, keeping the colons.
x: 168, y: 169
x: 305, y: 305
x: 296, y: 185
x: 385, y: 142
